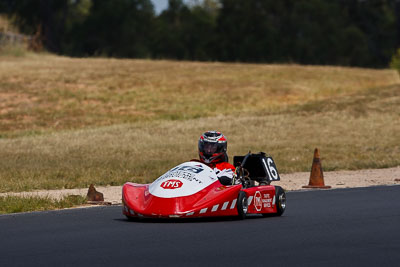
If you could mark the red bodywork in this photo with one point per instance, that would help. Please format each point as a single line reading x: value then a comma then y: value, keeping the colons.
x: 214, y: 200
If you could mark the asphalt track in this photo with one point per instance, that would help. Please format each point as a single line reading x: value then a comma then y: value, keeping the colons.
x: 343, y: 227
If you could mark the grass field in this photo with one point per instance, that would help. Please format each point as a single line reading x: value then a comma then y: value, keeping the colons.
x: 13, y: 204
x: 67, y: 122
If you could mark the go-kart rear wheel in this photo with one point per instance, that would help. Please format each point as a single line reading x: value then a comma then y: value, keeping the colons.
x: 280, y: 197
x: 242, y: 205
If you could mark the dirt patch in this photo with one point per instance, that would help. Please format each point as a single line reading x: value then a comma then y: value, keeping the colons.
x: 290, y: 182
x: 344, y: 179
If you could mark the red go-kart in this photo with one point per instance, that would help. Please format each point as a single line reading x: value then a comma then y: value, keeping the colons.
x: 192, y: 189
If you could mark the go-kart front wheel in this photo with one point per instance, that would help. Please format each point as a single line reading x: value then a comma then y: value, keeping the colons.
x: 242, y: 205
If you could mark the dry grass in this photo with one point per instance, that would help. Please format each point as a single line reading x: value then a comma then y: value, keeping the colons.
x: 49, y: 93
x: 106, y: 121
x: 142, y: 151
x: 13, y: 204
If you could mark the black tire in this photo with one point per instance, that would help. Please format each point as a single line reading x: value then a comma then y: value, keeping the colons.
x: 129, y: 218
x: 280, y: 198
x: 132, y: 219
x: 242, y: 205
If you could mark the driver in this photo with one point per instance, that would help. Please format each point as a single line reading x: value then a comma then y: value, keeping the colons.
x: 212, y: 152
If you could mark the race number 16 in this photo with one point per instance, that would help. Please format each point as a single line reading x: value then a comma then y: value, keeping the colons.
x: 269, y: 166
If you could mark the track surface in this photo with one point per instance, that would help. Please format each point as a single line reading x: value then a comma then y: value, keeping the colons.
x: 346, y: 227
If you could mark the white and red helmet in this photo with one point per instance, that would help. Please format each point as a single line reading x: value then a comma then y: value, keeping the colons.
x: 212, y: 147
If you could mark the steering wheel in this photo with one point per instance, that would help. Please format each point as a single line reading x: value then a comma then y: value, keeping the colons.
x: 242, y: 175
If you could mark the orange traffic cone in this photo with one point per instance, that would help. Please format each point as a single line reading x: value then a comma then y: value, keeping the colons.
x: 316, y: 176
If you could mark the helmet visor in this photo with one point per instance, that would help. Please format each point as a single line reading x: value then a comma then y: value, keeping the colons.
x: 210, y: 148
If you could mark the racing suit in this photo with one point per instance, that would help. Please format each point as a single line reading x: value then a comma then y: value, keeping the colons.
x: 224, y: 171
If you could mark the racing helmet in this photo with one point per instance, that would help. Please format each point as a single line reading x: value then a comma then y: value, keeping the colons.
x: 212, y: 147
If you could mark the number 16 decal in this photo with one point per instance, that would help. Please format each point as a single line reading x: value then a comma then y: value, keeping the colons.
x: 271, y: 169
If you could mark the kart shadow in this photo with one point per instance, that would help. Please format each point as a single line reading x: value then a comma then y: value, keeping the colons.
x: 187, y: 220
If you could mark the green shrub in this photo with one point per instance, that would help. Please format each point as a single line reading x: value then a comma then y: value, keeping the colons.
x: 13, y: 50
x: 395, y: 63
